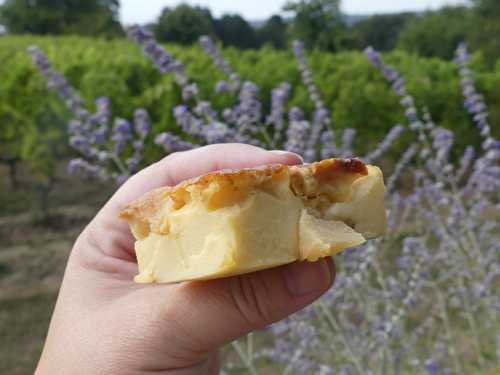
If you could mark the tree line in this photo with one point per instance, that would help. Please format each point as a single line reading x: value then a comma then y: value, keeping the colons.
x: 319, y: 23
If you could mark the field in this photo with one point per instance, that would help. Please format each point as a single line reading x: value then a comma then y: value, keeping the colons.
x: 32, y: 262
x: 421, y: 300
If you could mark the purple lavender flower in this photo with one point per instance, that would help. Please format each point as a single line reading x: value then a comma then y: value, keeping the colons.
x: 121, y: 178
x: 188, y: 122
x: 190, y: 91
x: 78, y: 142
x: 217, y: 132
x: 386, y: 143
x: 295, y: 114
x: 347, y: 142
x: 222, y: 87
x: 328, y: 145
x: 297, y: 136
x: 307, y: 77
x: 465, y: 162
x: 74, y: 127
x: 403, y: 162
x: 483, y: 177
x: 399, y: 87
x: 133, y: 164
x: 81, y: 166
x: 122, y: 134
x: 431, y: 366
x: 103, y: 113
x: 165, y: 62
x: 172, y: 143
x: 249, y: 109
x: 442, y: 142
x: 279, y: 97
x: 89, y: 132
x: 57, y: 82
x: 234, y: 80
x: 76, y: 165
x: 229, y: 115
x: 142, y: 123
x: 321, y: 122
x: 474, y: 102
x: 204, y: 109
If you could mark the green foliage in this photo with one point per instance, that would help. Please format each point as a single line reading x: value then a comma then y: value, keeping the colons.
x: 436, y: 34
x: 273, y: 32
x: 234, y: 31
x: 318, y: 23
x: 34, y: 119
x: 379, y: 31
x: 184, y: 24
x: 83, y: 17
x: 485, y: 35
x: 32, y: 127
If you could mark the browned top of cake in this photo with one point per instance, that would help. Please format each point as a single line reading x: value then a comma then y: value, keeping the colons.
x: 333, y: 176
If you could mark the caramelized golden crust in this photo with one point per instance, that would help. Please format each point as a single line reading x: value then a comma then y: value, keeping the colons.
x: 304, y: 178
x: 238, y: 221
x: 328, y: 170
x: 148, y: 204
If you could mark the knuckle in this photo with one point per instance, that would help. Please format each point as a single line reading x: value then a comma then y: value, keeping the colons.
x: 252, y: 297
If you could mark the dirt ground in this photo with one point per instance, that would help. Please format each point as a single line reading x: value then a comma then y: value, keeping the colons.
x: 33, y: 256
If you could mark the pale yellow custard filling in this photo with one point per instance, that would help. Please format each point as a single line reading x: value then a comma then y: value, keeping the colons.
x: 237, y: 224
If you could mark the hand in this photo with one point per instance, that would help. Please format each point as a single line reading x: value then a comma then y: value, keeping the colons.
x: 104, y: 323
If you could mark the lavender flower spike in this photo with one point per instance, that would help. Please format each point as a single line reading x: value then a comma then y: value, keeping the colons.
x: 279, y: 97
x: 234, y: 79
x: 473, y: 101
x: 57, y: 82
x: 321, y: 116
x: 386, y: 143
x: 172, y: 143
x: 165, y: 62
x: 398, y: 86
x: 307, y: 77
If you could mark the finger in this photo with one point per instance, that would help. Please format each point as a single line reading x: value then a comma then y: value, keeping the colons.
x: 210, y: 314
x: 113, y: 236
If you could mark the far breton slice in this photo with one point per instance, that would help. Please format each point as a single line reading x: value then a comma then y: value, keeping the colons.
x: 233, y: 222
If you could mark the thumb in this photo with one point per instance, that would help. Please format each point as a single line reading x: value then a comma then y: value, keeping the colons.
x: 211, y: 313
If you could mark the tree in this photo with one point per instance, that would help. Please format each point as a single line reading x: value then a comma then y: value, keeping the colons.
x: 184, y: 24
x: 380, y: 31
x: 233, y: 30
x: 437, y: 33
x: 318, y: 23
x: 486, y: 30
x: 84, y: 17
x: 273, y: 32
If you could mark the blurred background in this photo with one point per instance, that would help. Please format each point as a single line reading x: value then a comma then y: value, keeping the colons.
x: 42, y: 208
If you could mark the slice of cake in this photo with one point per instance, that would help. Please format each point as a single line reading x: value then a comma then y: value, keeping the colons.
x: 233, y: 222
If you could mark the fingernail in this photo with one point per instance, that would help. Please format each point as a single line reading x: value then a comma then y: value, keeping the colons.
x: 287, y: 153
x: 306, y: 277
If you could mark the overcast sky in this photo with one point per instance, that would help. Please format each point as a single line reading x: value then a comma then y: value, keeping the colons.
x: 143, y: 11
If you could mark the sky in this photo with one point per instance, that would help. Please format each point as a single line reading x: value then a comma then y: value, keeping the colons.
x: 143, y: 11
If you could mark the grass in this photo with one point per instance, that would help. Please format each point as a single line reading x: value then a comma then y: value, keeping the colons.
x: 67, y: 191
x: 24, y: 318
x: 5, y: 270
x: 23, y: 326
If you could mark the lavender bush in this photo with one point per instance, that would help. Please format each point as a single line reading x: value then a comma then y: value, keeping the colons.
x: 424, y: 298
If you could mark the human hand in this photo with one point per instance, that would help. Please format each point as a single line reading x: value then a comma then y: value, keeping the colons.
x: 104, y: 323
